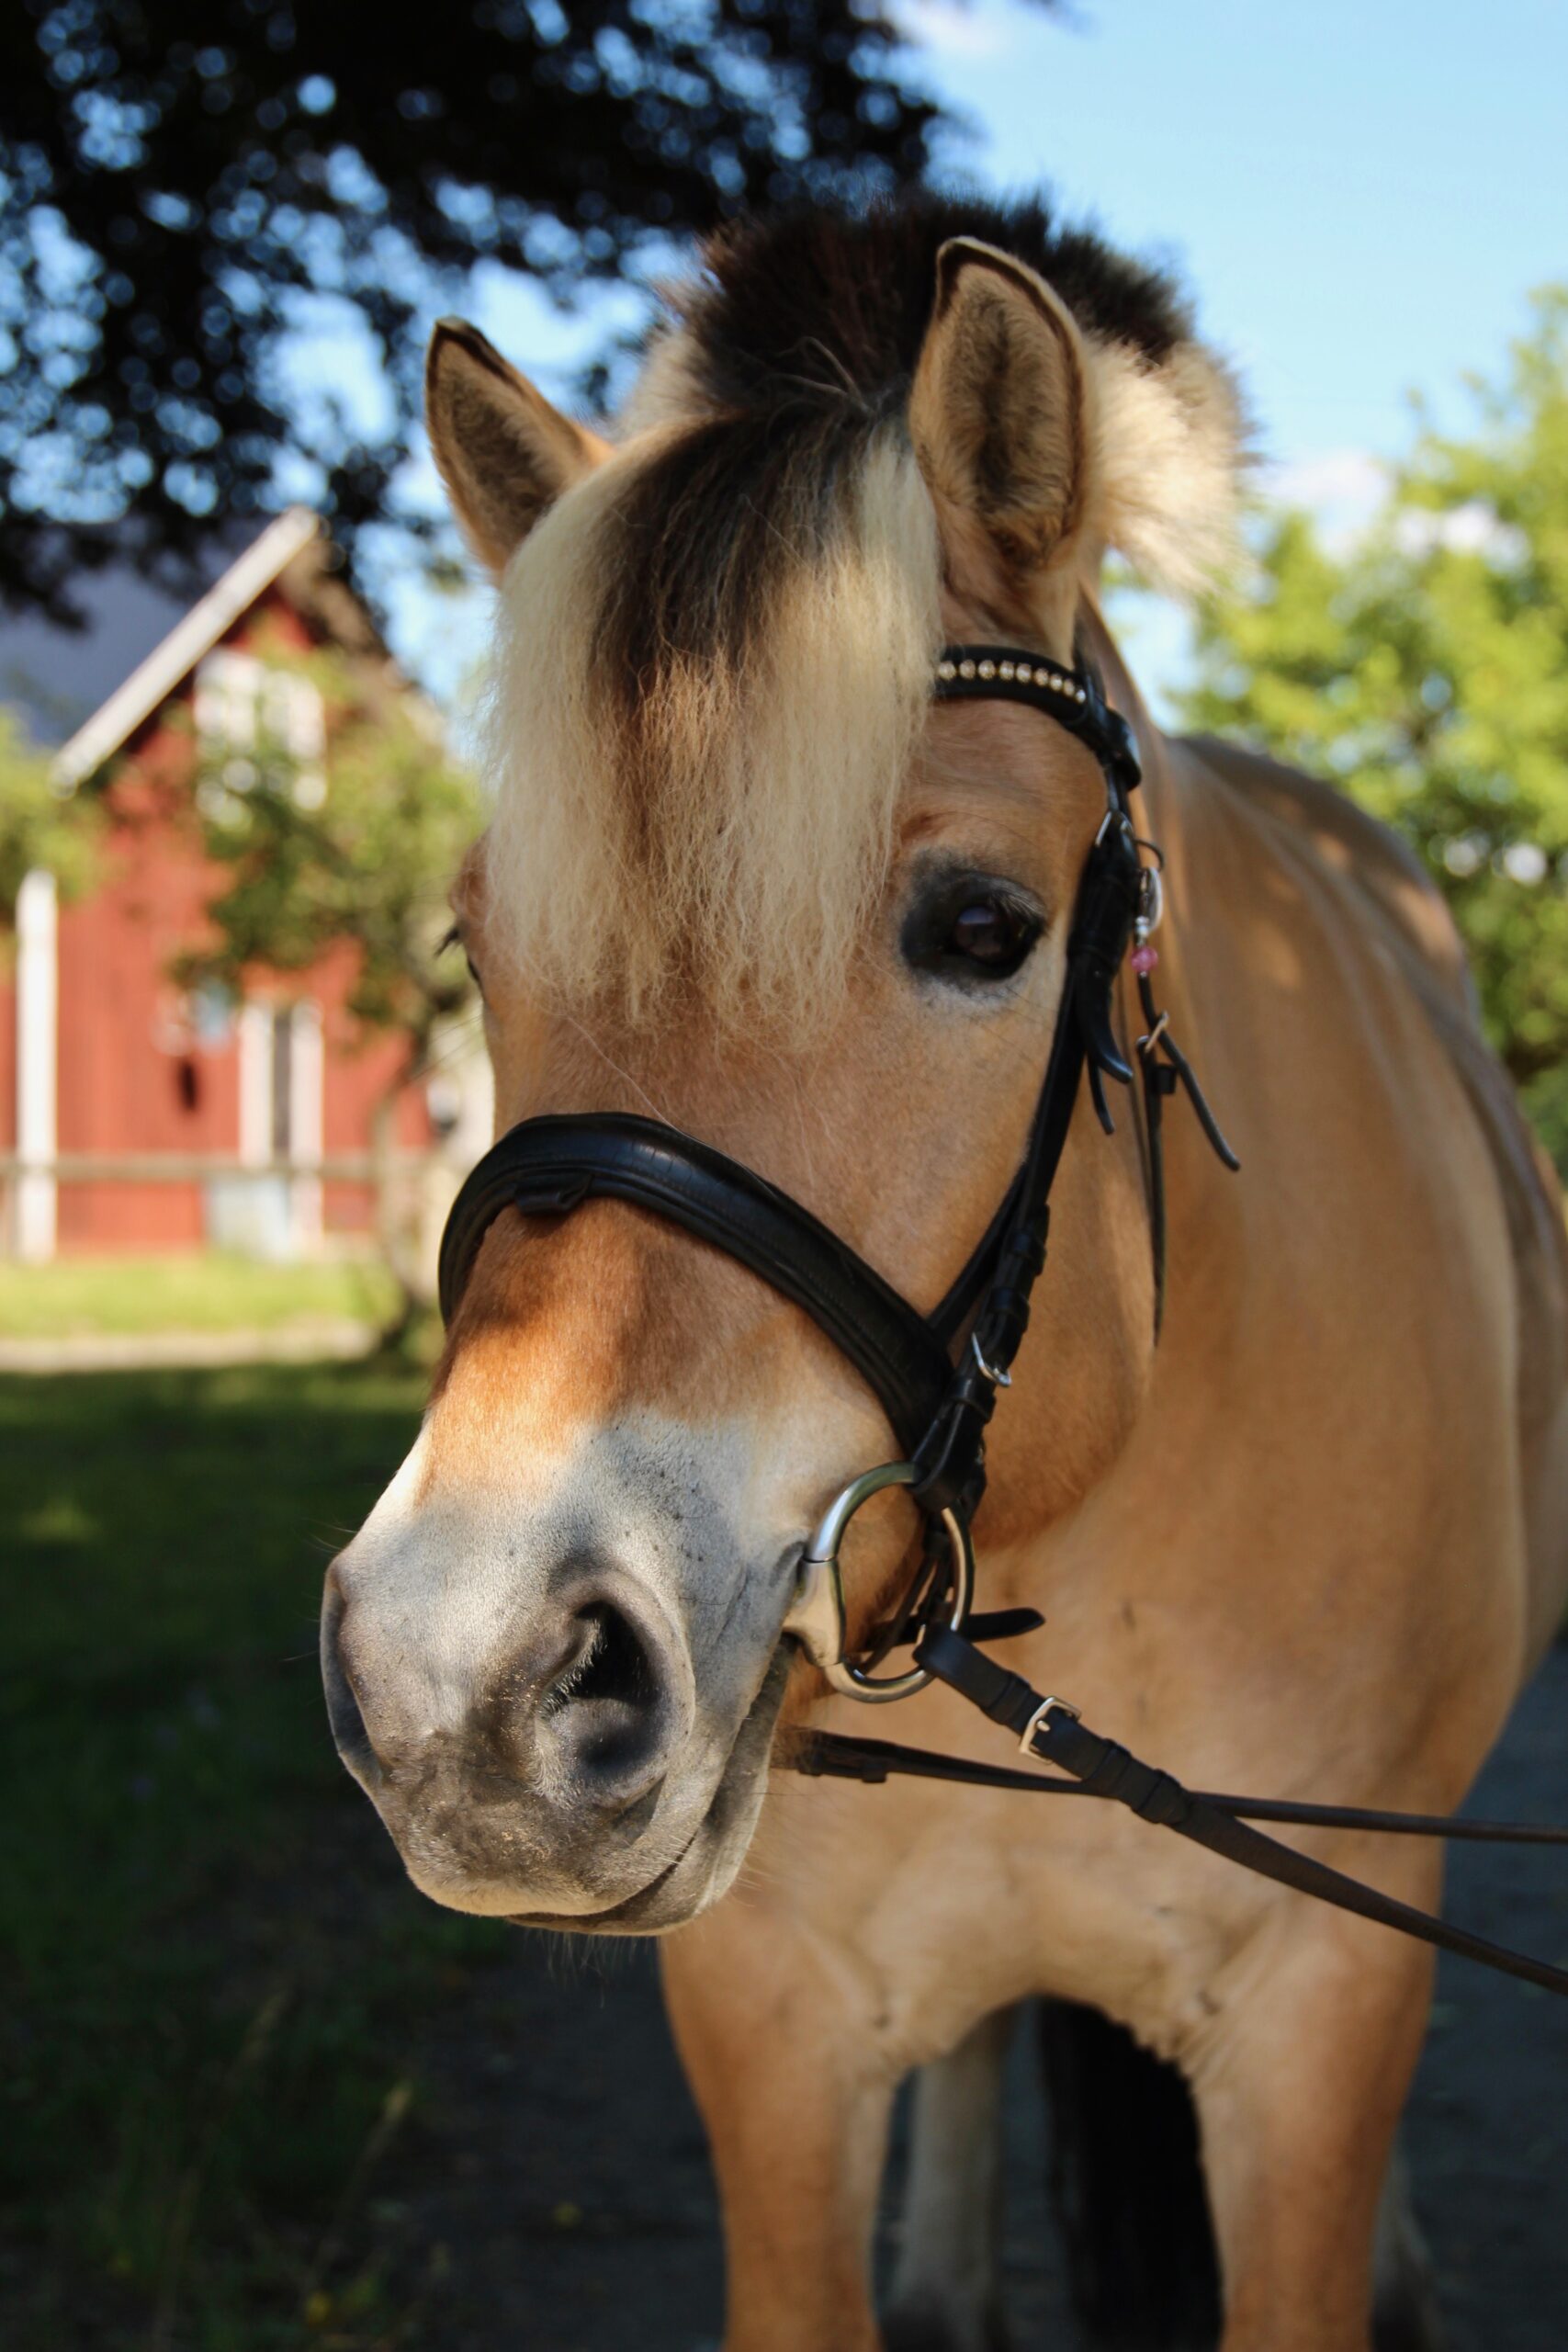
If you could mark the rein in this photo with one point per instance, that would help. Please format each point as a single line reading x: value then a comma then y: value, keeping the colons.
x: 939, y: 1404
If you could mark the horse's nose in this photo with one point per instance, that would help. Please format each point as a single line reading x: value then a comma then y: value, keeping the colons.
x: 581, y: 1714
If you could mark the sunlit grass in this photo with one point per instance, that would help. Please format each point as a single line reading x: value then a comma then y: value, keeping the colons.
x: 190, y: 1291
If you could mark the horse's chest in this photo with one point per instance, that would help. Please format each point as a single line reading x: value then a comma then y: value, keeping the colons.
x: 946, y: 1905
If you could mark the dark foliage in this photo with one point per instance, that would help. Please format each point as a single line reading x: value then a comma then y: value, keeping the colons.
x: 179, y: 176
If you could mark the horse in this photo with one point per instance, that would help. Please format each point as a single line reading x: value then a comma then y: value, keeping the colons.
x: 746, y: 876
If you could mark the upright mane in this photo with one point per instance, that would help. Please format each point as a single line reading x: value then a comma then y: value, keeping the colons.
x: 715, y: 652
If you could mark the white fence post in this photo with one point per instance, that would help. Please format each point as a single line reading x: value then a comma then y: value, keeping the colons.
x: 37, y: 1026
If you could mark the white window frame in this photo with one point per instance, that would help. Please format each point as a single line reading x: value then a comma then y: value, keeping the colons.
x: 241, y: 700
x: 257, y: 1034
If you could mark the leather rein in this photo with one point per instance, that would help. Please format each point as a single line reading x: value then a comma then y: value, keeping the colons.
x: 937, y: 1377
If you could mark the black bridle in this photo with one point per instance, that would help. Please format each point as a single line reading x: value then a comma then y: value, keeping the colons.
x: 938, y: 1402
x: 937, y: 1375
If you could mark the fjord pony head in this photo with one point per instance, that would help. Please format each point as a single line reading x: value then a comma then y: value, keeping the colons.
x: 743, y: 877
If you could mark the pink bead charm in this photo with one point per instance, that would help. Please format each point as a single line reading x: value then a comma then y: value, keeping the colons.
x: 1144, y: 959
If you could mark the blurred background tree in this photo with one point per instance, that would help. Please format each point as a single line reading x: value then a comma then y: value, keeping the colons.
x: 184, y: 181
x: 1424, y: 666
x: 352, y: 853
x: 37, y: 827
x: 360, y: 857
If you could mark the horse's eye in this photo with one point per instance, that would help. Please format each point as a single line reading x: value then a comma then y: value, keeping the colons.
x: 991, y: 935
x: 970, y: 930
x: 454, y: 938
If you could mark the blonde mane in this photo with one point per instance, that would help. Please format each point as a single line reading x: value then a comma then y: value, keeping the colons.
x: 725, y: 818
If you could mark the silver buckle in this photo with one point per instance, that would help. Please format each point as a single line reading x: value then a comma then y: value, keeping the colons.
x: 997, y: 1378
x: 1041, y: 1712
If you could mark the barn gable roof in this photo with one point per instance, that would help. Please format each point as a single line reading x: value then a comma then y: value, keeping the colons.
x: 176, y: 654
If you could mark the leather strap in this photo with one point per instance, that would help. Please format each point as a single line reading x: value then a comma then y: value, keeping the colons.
x: 548, y: 1166
x: 1103, y: 1768
x: 1000, y: 673
x: 844, y: 1756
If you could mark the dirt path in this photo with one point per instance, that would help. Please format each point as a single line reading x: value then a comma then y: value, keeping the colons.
x: 558, y: 2198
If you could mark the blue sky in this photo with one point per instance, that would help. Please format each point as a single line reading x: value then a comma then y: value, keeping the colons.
x: 1359, y: 197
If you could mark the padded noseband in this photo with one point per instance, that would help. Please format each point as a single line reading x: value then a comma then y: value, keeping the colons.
x: 549, y: 1166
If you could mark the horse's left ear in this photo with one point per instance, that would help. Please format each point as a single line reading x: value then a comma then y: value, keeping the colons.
x: 998, y: 417
x: 1045, y: 441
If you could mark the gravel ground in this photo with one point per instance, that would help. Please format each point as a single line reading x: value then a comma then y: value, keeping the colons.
x: 558, y: 2196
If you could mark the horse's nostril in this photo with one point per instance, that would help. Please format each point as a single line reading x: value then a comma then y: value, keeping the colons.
x: 348, y: 1727
x: 607, y: 1705
x: 611, y: 1663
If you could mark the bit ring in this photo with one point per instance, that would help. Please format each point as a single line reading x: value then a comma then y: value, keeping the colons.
x: 817, y: 1613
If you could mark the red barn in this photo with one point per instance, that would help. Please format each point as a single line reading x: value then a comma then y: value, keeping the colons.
x: 135, y: 1114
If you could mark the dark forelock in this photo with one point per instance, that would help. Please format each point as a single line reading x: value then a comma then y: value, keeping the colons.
x: 803, y: 331
x: 836, y: 303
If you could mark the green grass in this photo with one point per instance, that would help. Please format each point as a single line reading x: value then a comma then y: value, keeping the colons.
x: 192, y: 1292
x: 212, y: 1973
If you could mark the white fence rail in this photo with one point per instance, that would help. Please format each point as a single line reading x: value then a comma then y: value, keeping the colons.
x: 268, y: 1207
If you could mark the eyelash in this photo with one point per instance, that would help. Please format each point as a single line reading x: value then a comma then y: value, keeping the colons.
x: 454, y: 938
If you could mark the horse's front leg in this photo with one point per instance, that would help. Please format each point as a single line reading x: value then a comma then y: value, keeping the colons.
x: 779, y: 2044
x: 1300, y: 2076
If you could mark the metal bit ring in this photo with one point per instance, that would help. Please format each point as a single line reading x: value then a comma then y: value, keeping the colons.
x: 816, y: 1614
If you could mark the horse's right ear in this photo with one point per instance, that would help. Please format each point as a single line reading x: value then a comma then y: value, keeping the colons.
x: 1044, y: 441
x: 504, y: 452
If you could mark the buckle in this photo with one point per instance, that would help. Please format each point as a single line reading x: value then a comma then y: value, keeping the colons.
x: 1040, y: 1716
x: 998, y: 1378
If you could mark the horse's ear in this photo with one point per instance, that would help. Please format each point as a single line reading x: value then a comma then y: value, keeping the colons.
x: 997, y: 412
x: 998, y: 415
x: 504, y: 452
x: 1043, y: 442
